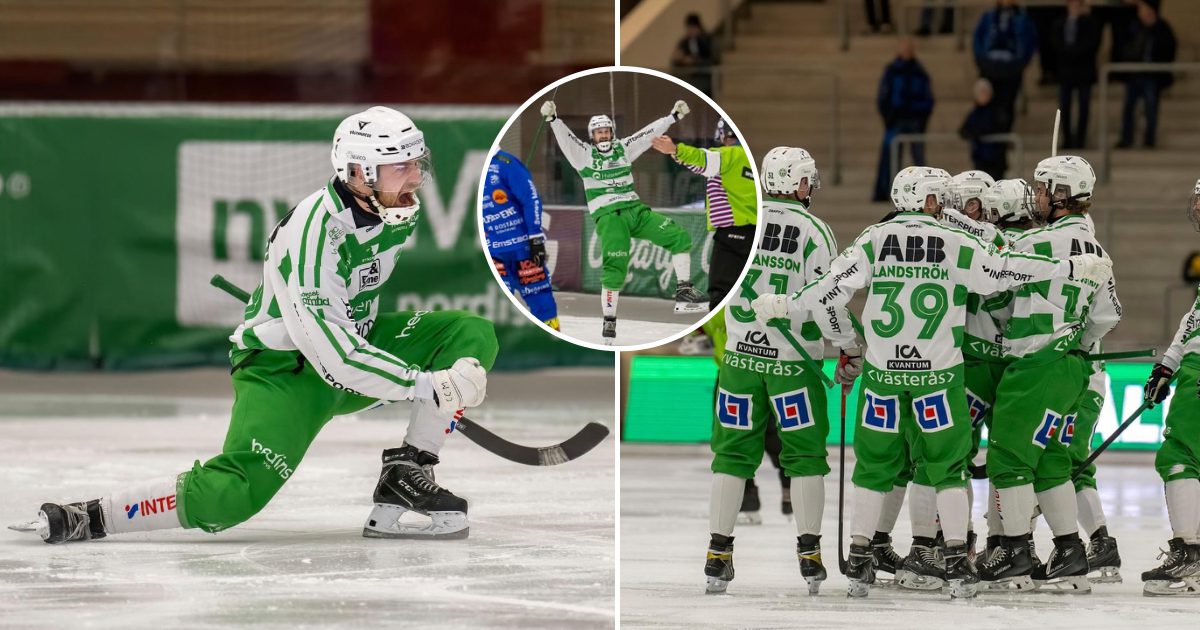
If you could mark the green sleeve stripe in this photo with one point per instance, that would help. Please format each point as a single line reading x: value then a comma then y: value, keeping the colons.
x: 352, y: 363
x: 961, y: 296
x: 337, y: 201
x: 966, y: 255
x: 869, y: 248
x: 823, y: 231
x: 320, y: 251
x: 304, y: 238
x: 809, y: 248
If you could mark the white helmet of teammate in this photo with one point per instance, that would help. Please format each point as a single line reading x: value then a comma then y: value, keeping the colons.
x: 969, y: 185
x: 381, y: 157
x: 1068, y: 175
x: 597, y: 122
x: 1193, y: 209
x: 784, y: 167
x: 1007, y: 201
x: 914, y: 184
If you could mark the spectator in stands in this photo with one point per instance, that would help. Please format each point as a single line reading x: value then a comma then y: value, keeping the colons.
x: 694, y: 56
x: 905, y: 100
x: 1077, y: 43
x: 879, y: 15
x: 1120, y: 16
x: 1044, y: 18
x: 1152, y: 41
x: 1004, y: 43
x: 947, y: 24
x: 986, y: 118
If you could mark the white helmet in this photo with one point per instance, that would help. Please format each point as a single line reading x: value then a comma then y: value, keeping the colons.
x: 392, y: 159
x: 600, y: 121
x: 1066, y: 173
x: 969, y: 185
x: 914, y: 184
x: 1193, y: 211
x: 1007, y: 201
x: 784, y: 167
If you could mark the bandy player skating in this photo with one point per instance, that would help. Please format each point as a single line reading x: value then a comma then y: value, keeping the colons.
x: 606, y: 167
x: 314, y: 345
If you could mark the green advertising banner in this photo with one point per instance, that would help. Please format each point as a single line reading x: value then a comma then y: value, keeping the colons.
x: 113, y: 219
x: 671, y: 400
x: 650, y: 271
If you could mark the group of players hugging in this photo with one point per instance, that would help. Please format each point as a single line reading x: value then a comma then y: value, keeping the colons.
x: 986, y: 303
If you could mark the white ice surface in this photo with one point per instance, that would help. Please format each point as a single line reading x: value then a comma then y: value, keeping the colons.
x: 540, y: 552
x: 664, y: 535
x: 630, y: 332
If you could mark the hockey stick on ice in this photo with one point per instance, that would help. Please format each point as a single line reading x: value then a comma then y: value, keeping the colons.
x: 585, y: 440
x: 842, y: 487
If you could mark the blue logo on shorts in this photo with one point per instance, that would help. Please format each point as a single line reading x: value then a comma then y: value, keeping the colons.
x: 1068, y: 432
x: 792, y: 410
x: 1045, y: 431
x: 933, y: 414
x: 733, y: 411
x: 976, y: 408
x: 881, y: 413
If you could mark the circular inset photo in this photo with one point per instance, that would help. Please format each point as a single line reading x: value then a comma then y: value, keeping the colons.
x: 619, y: 208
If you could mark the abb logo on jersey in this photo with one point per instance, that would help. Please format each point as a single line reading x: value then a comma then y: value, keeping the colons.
x: 916, y: 249
x: 150, y: 506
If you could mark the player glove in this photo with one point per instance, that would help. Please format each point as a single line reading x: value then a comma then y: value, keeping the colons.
x: 850, y: 365
x: 768, y: 307
x: 461, y: 386
x: 1156, y: 386
x: 549, y: 111
x: 537, y: 250
x: 1090, y: 267
x: 680, y: 110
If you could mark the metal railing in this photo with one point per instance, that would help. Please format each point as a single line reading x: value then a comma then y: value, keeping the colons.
x: 900, y: 139
x: 1106, y: 72
x: 960, y: 30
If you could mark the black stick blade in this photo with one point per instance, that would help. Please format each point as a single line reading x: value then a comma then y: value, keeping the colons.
x: 585, y: 440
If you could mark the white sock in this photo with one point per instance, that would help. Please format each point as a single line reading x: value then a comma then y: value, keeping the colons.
x: 724, y: 503
x: 608, y: 302
x: 970, y: 505
x: 891, y: 509
x: 952, y: 507
x: 1016, y: 508
x: 1091, y: 513
x: 1183, y: 508
x: 141, y: 508
x: 808, y: 503
x: 867, y: 506
x: 1058, y: 506
x: 429, y: 427
x: 922, y: 510
x: 995, y: 527
x: 683, y: 266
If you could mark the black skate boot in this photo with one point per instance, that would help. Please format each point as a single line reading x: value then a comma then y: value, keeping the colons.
x: 688, y: 299
x: 1008, y: 566
x: 68, y: 522
x: 1103, y: 559
x: 808, y: 551
x: 886, y: 559
x: 860, y: 570
x: 718, y: 566
x: 406, y: 485
x: 749, y: 512
x: 971, y: 540
x: 1178, y: 575
x: 1067, y: 567
x: 960, y: 572
x: 923, y: 569
x: 609, y: 331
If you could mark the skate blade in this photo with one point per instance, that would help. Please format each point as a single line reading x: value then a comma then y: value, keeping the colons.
x: 961, y: 589
x: 39, y: 526
x: 608, y: 341
x: 1021, y: 583
x: 1186, y: 587
x: 749, y: 518
x: 690, y: 307
x: 885, y: 582
x: 1072, y: 584
x: 858, y: 589
x: 912, y: 581
x: 384, y: 522
x: 814, y: 585
x: 716, y: 586
x: 1106, y: 575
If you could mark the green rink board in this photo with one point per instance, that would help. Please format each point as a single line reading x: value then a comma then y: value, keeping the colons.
x: 671, y: 400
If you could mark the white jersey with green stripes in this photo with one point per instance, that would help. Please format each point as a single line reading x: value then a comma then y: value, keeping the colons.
x: 320, y: 295
x: 796, y: 248
x: 1062, y: 314
x: 920, y: 273
x: 1187, y: 338
x: 986, y: 314
x: 607, y: 177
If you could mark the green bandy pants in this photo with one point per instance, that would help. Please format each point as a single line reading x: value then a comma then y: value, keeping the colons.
x: 1081, y: 441
x: 1179, y: 455
x: 932, y: 421
x: 617, y: 229
x: 981, y: 376
x: 747, y: 401
x: 281, y: 403
x: 1033, y: 421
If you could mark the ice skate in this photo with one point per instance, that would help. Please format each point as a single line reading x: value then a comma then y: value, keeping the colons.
x: 406, y: 485
x: 971, y: 540
x: 960, y: 573
x: 688, y: 299
x: 923, y: 569
x: 609, y: 331
x: 860, y: 571
x: 887, y: 561
x: 68, y: 522
x: 750, y: 512
x: 1066, y: 569
x: 1103, y: 560
x: 808, y: 551
x: 1178, y: 575
x: 1008, y: 567
x: 718, y: 566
